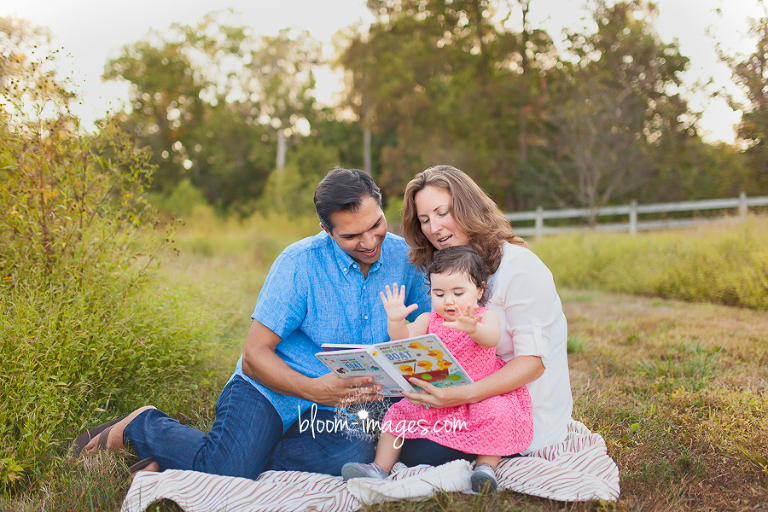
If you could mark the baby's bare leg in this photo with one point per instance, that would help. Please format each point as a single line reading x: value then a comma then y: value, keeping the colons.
x: 388, y: 451
x: 491, y: 460
x: 484, y: 476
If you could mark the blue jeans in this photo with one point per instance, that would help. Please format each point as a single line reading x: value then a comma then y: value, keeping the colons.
x: 247, y: 439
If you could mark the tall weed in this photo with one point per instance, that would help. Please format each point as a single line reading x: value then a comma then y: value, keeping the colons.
x: 725, y: 263
x: 84, y: 331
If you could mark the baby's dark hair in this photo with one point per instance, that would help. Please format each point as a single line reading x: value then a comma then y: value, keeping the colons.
x: 461, y: 259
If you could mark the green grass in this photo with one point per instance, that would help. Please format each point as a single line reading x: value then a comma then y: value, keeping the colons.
x: 726, y: 263
x: 677, y: 389
x: 686, y: 367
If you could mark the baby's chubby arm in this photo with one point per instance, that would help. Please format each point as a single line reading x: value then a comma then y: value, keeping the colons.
x: 484, y: 329
x: 397, y: 311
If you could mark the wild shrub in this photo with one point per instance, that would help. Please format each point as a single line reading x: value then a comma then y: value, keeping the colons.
x: 82, y: 335
x: 182, y: 202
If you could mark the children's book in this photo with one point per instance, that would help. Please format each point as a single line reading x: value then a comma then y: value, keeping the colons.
x: 391, y: 363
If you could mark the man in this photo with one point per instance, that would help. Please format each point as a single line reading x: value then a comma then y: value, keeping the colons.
x: 321, y: 289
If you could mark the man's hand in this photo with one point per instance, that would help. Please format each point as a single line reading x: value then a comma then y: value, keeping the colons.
x: 262, y: 364
x: 333, y: 391
x: 394, y: 303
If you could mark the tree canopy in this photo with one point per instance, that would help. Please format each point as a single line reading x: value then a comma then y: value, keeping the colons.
x: 751, y: 74
x: 599, y: 119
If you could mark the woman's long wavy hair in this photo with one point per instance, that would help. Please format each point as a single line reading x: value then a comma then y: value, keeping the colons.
x: 472, y: 210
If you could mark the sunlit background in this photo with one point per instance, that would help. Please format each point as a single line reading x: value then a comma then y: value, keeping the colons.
x: 108, y: 304
x: 245, y: 106
x: 92, y: 31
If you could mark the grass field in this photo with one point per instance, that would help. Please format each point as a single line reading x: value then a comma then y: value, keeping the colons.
x: 725, y: 262
x: 679, y: 390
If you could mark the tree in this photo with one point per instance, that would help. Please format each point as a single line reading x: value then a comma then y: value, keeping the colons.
x: 218, y: 106
x: 282, y: 77
x: 439, y: 82
x: 191, y: 106
x: 751, y: 73
x: 618, y: 105
x: 390, y: 69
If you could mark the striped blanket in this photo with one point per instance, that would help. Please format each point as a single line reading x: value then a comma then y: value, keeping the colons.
x: 579, y: 469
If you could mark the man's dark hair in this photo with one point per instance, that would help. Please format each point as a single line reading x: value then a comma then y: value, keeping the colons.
x: 343, y: 190
x: 461, y: 259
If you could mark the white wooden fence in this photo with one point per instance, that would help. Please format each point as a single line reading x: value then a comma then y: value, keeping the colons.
x: 632, y: 225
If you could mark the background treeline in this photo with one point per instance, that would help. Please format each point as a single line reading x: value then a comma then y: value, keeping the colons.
x: 599, y: 119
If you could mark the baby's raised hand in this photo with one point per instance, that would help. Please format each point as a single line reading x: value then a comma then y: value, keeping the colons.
x: 465, y: 320
x: 394, y: 303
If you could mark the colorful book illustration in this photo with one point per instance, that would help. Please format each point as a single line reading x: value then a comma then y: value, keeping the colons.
x: 392, y: 362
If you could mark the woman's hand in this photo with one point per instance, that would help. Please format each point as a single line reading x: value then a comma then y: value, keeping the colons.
x: 394, y: 303
x: 438, y: 397
x: 516, y: 373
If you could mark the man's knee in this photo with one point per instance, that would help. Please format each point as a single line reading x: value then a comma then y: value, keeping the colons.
x: 246, y: 430
x: 354, y: 447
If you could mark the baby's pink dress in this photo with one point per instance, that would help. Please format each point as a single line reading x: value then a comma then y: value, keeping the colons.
x: 499, y: 425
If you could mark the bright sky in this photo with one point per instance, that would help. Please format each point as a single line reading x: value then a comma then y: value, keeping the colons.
x: 92, y: 31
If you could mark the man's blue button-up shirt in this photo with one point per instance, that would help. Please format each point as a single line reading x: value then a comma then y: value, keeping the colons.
x: 315, y: 293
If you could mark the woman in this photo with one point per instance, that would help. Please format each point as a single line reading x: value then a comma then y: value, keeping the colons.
x: 443, y: 207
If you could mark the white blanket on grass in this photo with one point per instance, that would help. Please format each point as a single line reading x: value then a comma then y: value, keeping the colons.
x: 578, y: 469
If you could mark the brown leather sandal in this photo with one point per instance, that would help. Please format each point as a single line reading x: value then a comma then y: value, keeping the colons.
x: 83, y: 439
x: 141, y: 465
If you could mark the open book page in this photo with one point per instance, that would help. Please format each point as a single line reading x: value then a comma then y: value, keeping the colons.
x: 359, y: 363
x: 426, y: 358
x: 391, y: 363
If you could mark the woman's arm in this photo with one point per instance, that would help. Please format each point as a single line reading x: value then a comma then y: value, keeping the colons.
x: 516, y: 373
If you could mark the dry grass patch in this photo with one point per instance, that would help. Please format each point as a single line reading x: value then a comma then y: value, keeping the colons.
x: 678, y: 390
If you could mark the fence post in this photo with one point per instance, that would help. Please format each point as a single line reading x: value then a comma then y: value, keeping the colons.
x: 742, y: 206
x: 539, y: 222
x: 633, y: 217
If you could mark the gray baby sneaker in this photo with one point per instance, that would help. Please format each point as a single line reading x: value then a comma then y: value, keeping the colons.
x: 484, y: 479
x: 357, y: 470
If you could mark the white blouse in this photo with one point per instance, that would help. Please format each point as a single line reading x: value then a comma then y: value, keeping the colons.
x: 524, y: 297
